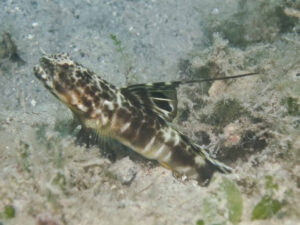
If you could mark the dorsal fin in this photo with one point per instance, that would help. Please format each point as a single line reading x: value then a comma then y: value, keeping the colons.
x: 161, y: 97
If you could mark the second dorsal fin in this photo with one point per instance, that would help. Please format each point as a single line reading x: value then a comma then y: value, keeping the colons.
x: 161, y: 97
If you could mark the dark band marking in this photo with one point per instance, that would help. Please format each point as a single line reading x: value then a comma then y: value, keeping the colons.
x: 123, y: 115
x: 144, y: 135
x: 131, y: 132
x: 180, y: 156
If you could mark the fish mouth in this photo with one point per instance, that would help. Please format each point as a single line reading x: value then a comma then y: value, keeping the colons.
x: 39, y: 72
x: 44, y: 67
x: 44, y: 71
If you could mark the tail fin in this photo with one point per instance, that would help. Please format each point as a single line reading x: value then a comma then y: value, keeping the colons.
x: 219, y: 166
x: 206, y: 170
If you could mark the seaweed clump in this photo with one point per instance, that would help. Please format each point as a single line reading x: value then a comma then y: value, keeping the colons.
x: 244, y: 26
x: 9, y: 50
x: 224, y: 112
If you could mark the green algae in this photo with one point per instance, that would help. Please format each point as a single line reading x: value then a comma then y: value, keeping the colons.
x: 293, y: 106
x: 200, y: 222
x: 117, y: 43
x: 25, y: 156
x: 214, y: 213
x: 8, y: 212
x: 266, y: 208
x: 125, y: 60
x: 60, y: 181
x: 234, y: 200
x: 270, y: 184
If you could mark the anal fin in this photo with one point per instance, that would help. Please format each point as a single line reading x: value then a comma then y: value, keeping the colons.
x: 90, y: 138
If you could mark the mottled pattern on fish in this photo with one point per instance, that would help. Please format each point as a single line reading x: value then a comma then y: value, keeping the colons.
x: 138, y: 116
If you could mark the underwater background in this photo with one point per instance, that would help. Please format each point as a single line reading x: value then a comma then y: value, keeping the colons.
x: 251, y: 124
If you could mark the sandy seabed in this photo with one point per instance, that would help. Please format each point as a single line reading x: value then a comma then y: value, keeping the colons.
x: 252, y: 124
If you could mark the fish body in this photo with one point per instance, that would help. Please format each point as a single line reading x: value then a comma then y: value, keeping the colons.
x: 138, y: 116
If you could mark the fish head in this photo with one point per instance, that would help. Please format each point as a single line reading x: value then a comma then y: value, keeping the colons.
x: 55, y: 72
x: 67, y: 80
